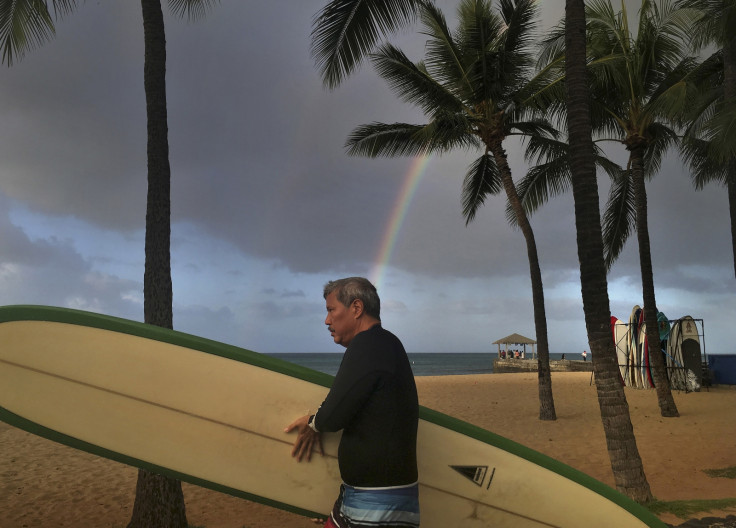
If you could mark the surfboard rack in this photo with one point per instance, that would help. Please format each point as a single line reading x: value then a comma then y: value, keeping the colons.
x: 675, y: 367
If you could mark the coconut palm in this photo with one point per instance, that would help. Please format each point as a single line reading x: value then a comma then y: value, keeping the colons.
x: 626, y: 462
x: 639, y: 87
x: 709, y: 146
x: 25, y: 24
x: 642, y: 88
x: 470, y: 88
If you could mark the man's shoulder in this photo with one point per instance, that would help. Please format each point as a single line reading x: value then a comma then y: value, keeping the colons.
x: 374, y: 334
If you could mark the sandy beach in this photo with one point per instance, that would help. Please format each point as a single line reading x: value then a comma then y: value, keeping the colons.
x: 47, y: 485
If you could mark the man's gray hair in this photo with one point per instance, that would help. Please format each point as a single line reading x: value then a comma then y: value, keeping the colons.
x: 351, y: 288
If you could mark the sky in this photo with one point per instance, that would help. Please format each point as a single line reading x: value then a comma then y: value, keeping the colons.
x: 267, y: 206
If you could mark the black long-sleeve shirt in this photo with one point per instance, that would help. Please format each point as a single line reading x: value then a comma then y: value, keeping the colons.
x: 373, y: 400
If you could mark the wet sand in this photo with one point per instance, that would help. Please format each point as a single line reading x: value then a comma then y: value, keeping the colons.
x: 47, y: 485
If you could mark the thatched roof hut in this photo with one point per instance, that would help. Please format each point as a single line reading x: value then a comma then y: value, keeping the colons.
x: 515, y: 339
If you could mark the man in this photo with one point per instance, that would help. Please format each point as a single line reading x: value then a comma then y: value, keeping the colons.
x: 373, y: 400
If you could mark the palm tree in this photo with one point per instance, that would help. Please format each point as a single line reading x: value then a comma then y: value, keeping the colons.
x: 649, y: 75
x: 471, y: 88
x: 24, y: 24
x: 626, y: 462
x: 709, y: 146
x: 639, y: 85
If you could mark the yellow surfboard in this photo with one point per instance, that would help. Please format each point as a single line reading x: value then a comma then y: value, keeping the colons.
x: 214, y: 415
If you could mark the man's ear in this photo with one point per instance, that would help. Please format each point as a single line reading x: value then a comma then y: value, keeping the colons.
x: 356, y: 307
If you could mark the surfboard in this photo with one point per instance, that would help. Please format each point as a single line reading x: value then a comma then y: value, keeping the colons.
x: 213, y: 414
x: 675, y: 367
x: 641, y: 343
x: 689, y: 344
x: 664, y: 333
x: 643, y: 351
x: 634, y: 372
x: 620, y: 338
x: 646, y: 377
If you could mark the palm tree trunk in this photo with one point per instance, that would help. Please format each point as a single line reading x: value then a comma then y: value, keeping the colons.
x: 667, y: 407
x: 628, y: 471
x: 731, y: 184
x: 546, y: 400
x: 729, y: 94
x: 159, y: 501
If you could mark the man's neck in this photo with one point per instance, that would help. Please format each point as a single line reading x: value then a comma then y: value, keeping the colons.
x: 366, y: 323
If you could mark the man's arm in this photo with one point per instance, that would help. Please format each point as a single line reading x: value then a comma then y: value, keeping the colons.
x: 305, y: 439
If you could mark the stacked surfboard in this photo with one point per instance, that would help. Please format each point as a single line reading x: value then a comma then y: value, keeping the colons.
x: 684, y: 355
x: 620, y: 332
x: 679, y: 344
x: 214, y: 415
x: 635, y: 351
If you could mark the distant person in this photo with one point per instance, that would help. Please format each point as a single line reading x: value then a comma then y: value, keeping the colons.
x: 563, y: 357
x: 585, y: 355
x: 373, y: 400
x: 503, y: 354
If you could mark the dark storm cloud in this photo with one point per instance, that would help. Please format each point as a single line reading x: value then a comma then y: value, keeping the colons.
x: 258, y: 160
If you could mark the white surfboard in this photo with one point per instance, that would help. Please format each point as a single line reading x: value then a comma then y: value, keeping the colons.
x: 213, y: 415
x: 689, y: 350
x: 646, y: 375
x: 620, y: 334
x: 675, y: 366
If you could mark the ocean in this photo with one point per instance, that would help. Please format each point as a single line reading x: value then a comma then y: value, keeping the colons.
x: 423, y: 364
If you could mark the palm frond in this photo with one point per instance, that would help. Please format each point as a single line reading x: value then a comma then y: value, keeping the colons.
x: 26, y: 24
x: 411, y: 82
x: 661, y: 38
x: 716, y: 22
x: 481, y: 180
x: 443, y: 57
x: 721, y: 133
x: 661, y: 138
x: 515, y: 57
x: 192, y: 9
x: 607, y: 31
x: 541, y: 183
x: 619, y: 218
x: 345, y: 31
x: 551, y: 175
x: 545, y: 91
x: 403, y: 139
x: 676, y: 92
x: 703, y: 168
x: 535, y: 129
x: 481, y: 32
x: 608, y: 166
x: 382, y: 139
x: 552, y: 46
x: 448, y: 131
x: 520, y: 19
x: 707, y: 79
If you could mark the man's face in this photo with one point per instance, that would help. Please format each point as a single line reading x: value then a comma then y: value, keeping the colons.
x: 340, y: 320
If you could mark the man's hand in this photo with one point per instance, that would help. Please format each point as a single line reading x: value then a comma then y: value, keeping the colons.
x: 305, y: 440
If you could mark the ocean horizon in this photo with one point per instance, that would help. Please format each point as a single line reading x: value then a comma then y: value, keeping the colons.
x: 422, y: 363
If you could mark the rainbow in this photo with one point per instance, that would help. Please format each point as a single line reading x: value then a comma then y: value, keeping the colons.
x: 396, y: 219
